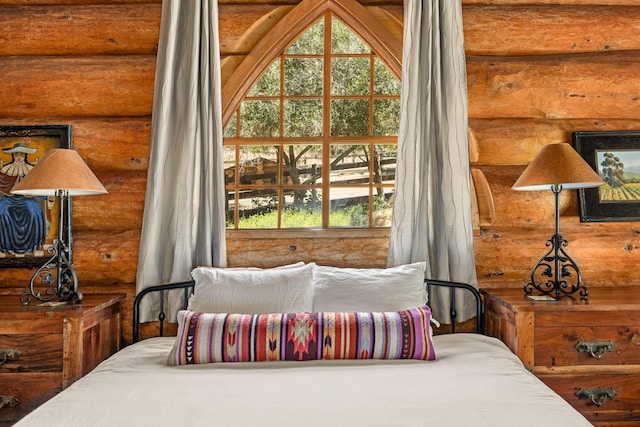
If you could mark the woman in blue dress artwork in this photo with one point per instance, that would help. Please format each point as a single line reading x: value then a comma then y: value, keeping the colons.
x: 23, y: 226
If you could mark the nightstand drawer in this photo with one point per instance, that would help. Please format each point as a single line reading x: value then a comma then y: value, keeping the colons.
x: 618, y: 395
x: 28, y: 386
x: 570, y: 346
x: 35, y: 352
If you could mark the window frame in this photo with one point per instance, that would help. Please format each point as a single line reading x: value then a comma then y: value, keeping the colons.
x: 383, y: 44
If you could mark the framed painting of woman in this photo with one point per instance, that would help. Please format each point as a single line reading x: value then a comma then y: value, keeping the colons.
x: 28, y: 224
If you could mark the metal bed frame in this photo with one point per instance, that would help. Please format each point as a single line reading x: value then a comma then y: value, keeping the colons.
x: 188, y: 287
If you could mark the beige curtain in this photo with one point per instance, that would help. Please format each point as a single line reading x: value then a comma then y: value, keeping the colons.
x: 432, y: 218
x: 184, y: 214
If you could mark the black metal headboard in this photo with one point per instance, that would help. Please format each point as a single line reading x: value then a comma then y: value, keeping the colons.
x: 188, y: 287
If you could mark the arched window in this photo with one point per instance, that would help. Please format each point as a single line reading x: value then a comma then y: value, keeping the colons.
x: 313, y: 142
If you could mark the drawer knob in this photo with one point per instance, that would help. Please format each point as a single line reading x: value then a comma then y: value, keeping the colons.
x: 8, y: 401
x: 598, y: 396
x: 7, y: 354
x: 596, y: 349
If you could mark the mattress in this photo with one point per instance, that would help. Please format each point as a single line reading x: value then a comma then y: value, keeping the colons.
x: 475, y: 381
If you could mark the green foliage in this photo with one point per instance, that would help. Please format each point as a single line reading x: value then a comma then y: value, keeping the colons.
x: 293, y: 219
x: 259, y: 119
x: 303, y: 76
x: 386, y: 117
x: 264, y: 220
x: 613, y: 170
x: 384, y: 83
x: 309, y: 215
x: 350, y: 76
x: 230, y: 131
x: 344, y: 40
x: 302, y: 118
x: 349, y: 117
x: 313, y: 200
x: 269, y: 83
x: 359, y: 215
x: 310, y: 42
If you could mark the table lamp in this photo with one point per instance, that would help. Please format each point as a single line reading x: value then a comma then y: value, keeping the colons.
x: 60, y: 173
x: 557, y: 167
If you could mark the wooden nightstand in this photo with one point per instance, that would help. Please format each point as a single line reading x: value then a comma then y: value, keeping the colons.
x: 45, y: 349
x: 588, y: 351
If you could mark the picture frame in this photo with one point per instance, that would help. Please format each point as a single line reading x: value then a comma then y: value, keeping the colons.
x: 615, y: 156
x: 28, y: 229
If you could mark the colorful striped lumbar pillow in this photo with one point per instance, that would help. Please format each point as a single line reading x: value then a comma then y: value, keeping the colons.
x: 211, y: 337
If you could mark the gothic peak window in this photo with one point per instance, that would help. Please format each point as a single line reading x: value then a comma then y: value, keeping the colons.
x: 313, y: 142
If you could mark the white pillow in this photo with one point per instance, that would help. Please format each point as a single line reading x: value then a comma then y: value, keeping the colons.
x: 369, y: 289
x: 248, y: 291
x: 297, y: 264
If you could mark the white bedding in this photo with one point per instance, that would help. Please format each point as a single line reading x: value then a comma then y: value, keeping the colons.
x: 475, y: 381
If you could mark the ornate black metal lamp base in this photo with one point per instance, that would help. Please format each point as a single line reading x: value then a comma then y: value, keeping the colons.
x: 57, y: 275
x: 556, y: 264
x: 65, y: 285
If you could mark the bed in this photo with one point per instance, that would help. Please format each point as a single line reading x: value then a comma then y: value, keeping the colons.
x: 474, y: 380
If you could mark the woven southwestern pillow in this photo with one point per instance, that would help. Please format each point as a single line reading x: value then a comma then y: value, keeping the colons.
x: 210, y: 338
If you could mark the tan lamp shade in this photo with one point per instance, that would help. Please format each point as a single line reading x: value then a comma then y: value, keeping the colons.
x: 59, y: 169
x: 557, y: 164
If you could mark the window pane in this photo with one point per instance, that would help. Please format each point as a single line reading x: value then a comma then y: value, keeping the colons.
x: 349, y: 207
x: 229, y: 156
x: 350, y: 76
x: 384, y: 169
x: 386, y: 117
x: 349, y: 164
x: 302, y: 164
x: 259, y: 119
x: 258, y: 209
x: 310, y: 42
x: 302, y: 118
x: 230, y: 131
x: 382, y: 207
x: 345, y: 41
x: 383, y: 82
x: 303, y: 76
x: 269, y: 83
x: 349, y: 117
x: 258, y: 165
x: 230, y: 208
x: 302, y: 208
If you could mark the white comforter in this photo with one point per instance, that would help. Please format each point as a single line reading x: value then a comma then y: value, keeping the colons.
x: 475, y: 381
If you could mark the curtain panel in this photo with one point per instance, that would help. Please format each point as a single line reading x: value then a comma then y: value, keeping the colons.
x: 432, y: 216
x: 184, y: 214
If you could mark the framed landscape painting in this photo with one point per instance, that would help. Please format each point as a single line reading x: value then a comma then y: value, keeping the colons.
x: 28, y: 225
x: 615, y: 155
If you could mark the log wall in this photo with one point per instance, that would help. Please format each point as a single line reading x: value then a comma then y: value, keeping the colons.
x: 537, y: 71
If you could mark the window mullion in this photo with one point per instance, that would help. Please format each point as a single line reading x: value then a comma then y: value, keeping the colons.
x: 372, y: 161
x: 236, y: 190
x: 326, y: 125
